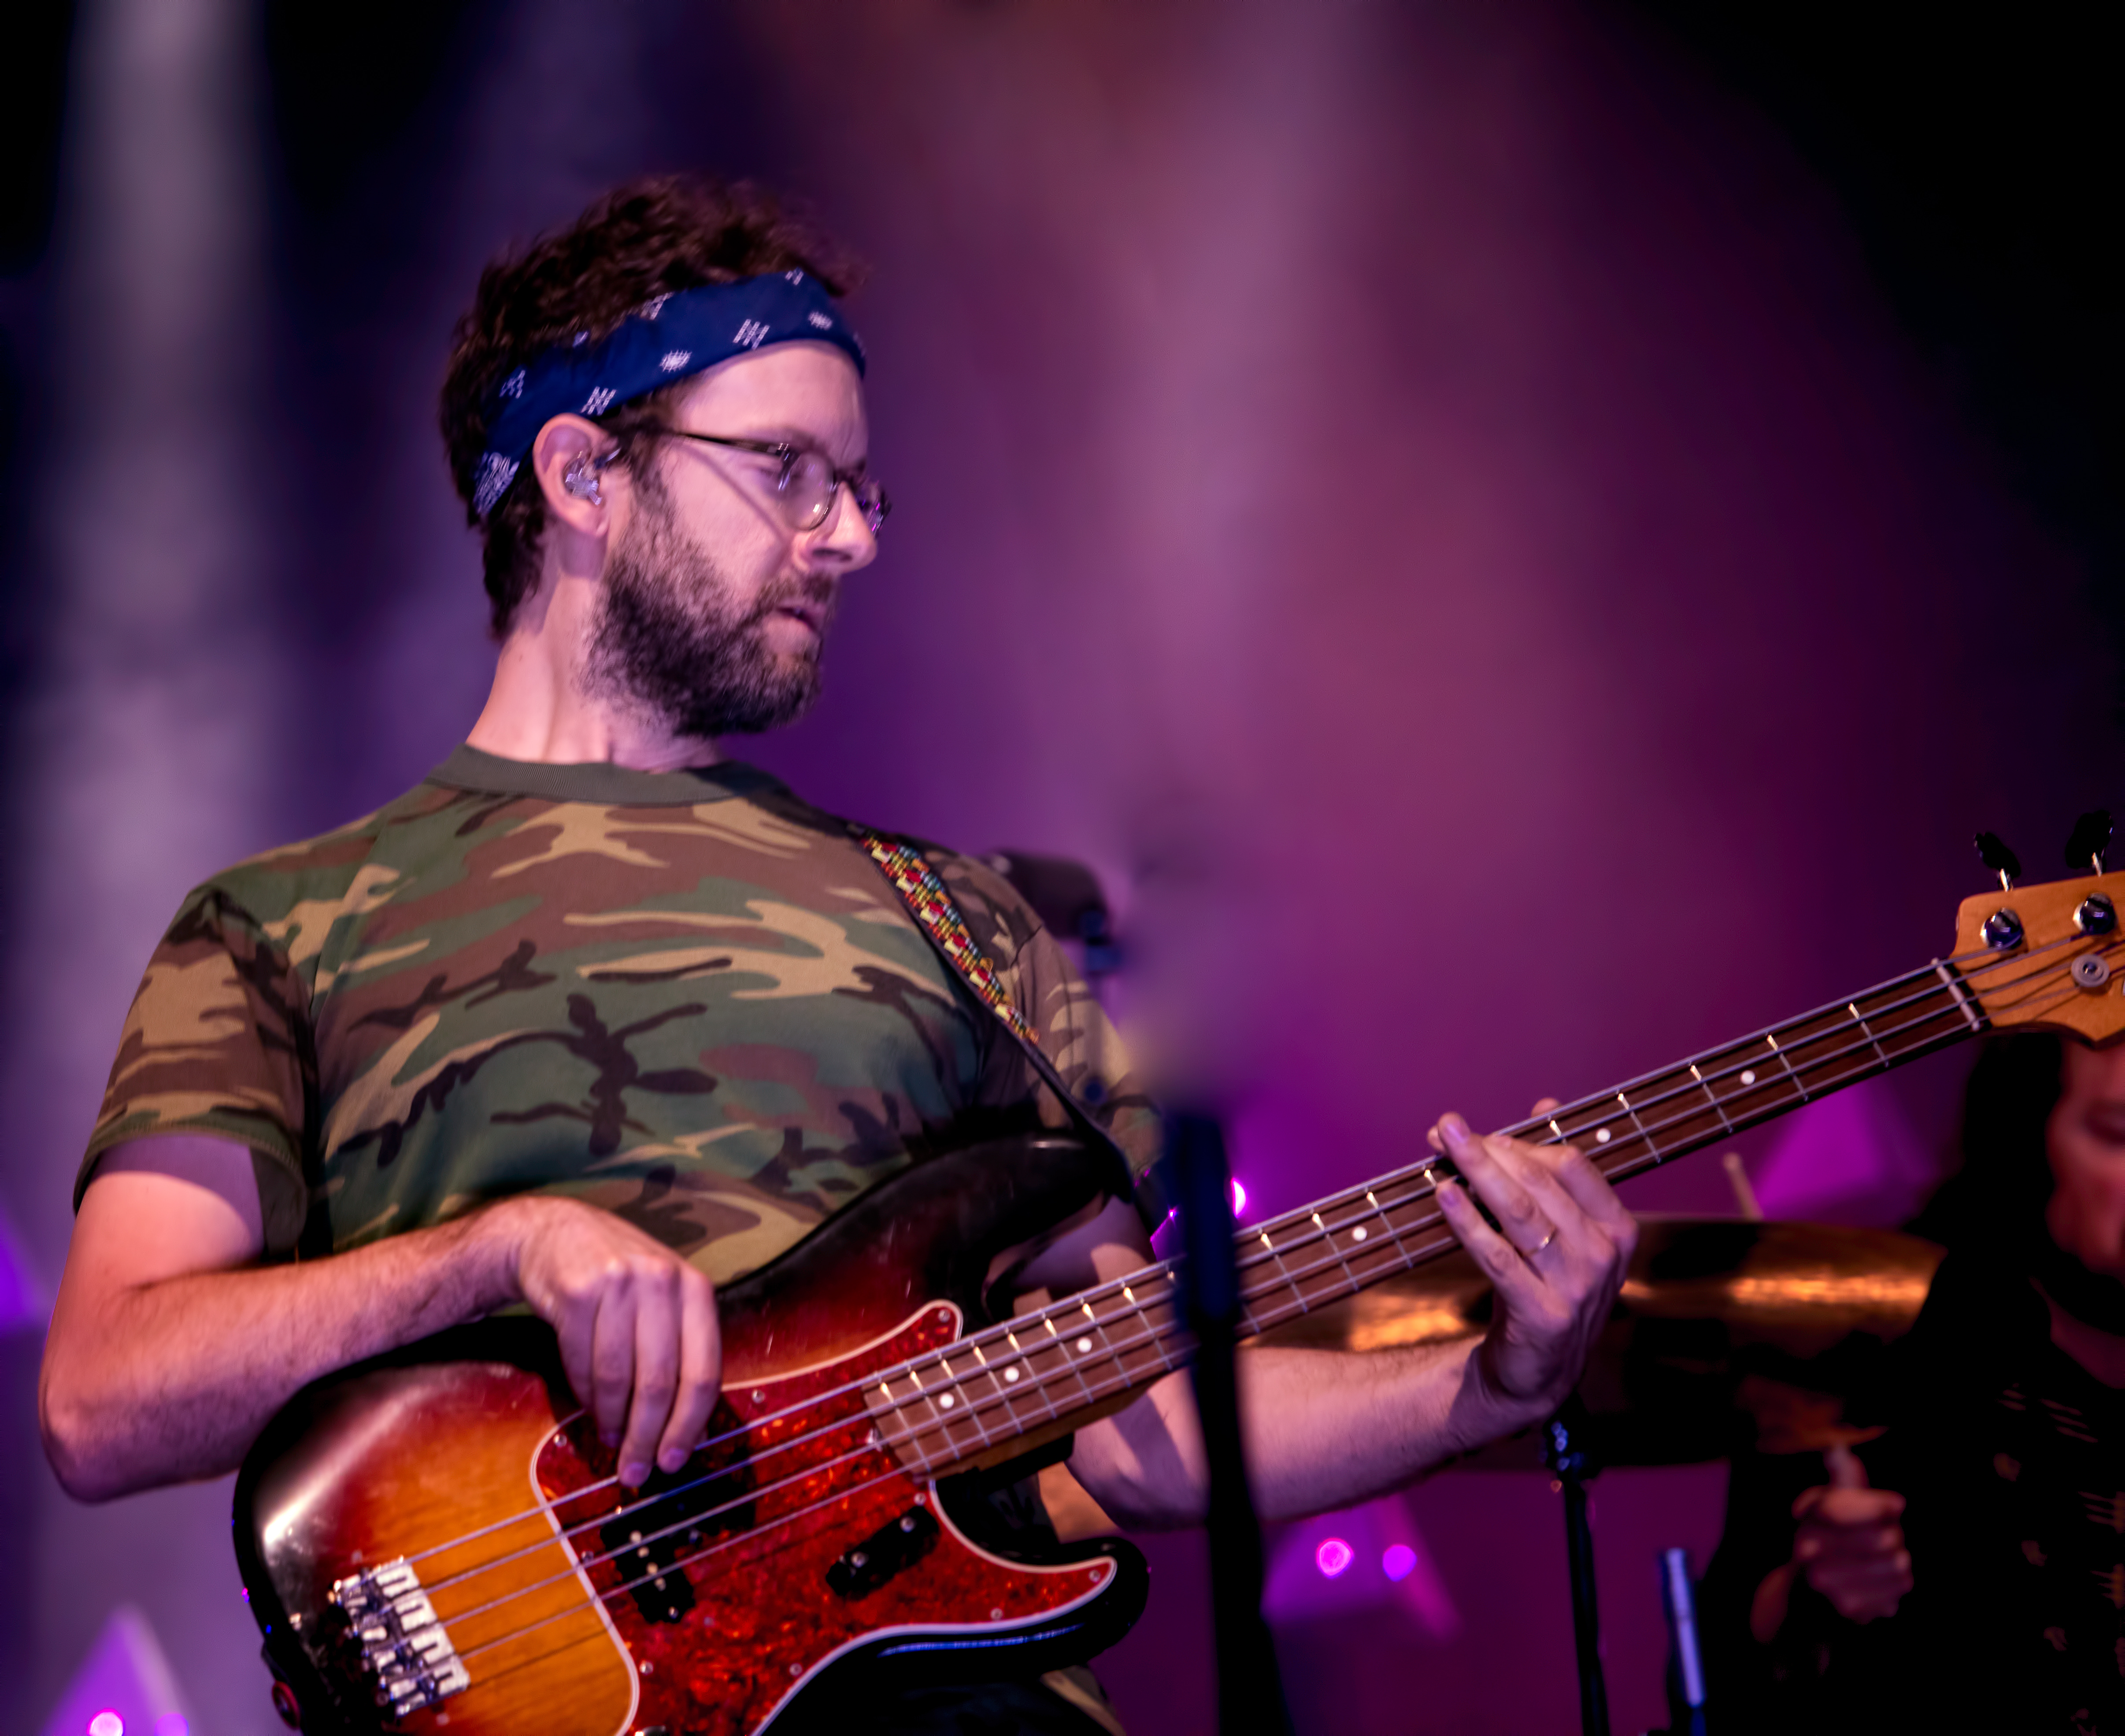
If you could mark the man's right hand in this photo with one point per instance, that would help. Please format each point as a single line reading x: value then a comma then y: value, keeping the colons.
x: 637, y: 1325
x: 1849, y: 1546
x: 172, y: 1346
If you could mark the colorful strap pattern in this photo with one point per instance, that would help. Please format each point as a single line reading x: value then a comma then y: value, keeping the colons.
x: 932, y: 907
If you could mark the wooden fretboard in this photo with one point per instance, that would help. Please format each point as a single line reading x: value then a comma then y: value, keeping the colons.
x: 1047, y: 1371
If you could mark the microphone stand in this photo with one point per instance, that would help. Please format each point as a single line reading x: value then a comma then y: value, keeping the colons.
x: 1249, y: 1691
x: 1566, y: 1446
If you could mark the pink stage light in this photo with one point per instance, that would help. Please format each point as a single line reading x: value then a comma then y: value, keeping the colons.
x: 1239, y: 1197
x: 106, y: 1723
x: 1333, y: 1556
x: 173, y: 1724
x: 1399, y: 1562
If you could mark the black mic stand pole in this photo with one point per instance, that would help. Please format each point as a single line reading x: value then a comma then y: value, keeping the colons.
x: 1250, y: 1692
x: 1571, y: 1457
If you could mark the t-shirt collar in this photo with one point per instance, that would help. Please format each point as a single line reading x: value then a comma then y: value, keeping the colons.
x: 601, y: 780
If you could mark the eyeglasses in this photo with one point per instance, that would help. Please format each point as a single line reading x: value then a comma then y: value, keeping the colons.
x: 807, y: 486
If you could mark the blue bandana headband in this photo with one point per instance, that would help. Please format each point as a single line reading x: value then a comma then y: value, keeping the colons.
x: 662, y: 341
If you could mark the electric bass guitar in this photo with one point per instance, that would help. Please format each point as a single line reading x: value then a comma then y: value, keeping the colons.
x: 435, y: 1540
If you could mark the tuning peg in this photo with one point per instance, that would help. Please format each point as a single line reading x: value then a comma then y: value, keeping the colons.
x: 2090, y: 841
x: 1993, y: 851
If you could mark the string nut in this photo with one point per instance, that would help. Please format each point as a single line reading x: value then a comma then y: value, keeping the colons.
x: 2002, y: 930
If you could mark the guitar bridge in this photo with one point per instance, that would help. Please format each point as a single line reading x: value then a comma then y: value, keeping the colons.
x: 402, y: 1646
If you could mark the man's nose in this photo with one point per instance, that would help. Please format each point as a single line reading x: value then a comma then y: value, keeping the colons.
x: 846, y: 541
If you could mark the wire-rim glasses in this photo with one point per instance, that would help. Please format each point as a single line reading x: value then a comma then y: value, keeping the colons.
x: 807, y: 486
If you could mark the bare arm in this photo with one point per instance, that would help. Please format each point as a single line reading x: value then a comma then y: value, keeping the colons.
x: 1323, y: 1429
x: 170, y: 1347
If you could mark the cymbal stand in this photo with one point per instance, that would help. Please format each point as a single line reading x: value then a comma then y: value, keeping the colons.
x: 1249, y: 1691
x: 1570, y: 1457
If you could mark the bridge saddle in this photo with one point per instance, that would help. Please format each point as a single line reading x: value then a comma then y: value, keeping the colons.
x: 402, y: 1645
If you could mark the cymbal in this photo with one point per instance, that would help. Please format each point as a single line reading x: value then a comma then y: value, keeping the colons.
x: 1729, y: 1334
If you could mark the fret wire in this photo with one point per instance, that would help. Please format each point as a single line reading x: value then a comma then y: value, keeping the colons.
x: 1589, y: 1106
x: 1387, y: 1224
x: 1797, y: 1085
x: 1621, y: 1162
x: 1329, y: 1236
x: 1621, y: 1165
x: 972, y: 1411
x: 1039, y: 1381
x: 998, y: 1387
x: 1711, y: 1097
x: 1107, y: 1344
x: 1262, y: 1236
x: 1860, y: 1019
x: 1062, y: 1349
x: 1638, y: 1124
x: 1286, y: 1279
x: 1589, y: 1110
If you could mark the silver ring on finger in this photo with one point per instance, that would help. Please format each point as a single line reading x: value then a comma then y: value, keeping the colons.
x: 1529, y: 1254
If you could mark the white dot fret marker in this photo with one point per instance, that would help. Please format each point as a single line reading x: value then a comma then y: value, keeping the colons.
x: 1010, y: 1374
x: 1602, y: 1136
x: 944, y: 1403
x: 1358, y: 1233
x: 1084, y: 1347
x: 1748, y: 1076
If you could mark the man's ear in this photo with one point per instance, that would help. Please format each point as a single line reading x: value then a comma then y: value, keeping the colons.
x: 569, y: 459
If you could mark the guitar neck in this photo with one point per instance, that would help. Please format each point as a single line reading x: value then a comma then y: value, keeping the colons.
x: 993, y: 1395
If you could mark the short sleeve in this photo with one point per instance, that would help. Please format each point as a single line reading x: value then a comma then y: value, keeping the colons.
x: 216, y: 1042
x: 1075, y: 1033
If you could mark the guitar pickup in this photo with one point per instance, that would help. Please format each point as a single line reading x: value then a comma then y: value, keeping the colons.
x: 670, y: 1523
x: 402, y: 1646
x: 892, y: 1549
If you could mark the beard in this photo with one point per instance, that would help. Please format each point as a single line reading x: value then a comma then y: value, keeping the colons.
x: 670, y: 637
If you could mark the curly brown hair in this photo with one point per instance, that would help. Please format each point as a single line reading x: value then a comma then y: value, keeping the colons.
x: 648, y: 238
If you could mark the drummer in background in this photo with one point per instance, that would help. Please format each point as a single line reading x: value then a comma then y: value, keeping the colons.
x: 1967, y: 1570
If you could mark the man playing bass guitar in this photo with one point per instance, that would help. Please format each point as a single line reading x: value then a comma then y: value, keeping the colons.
x: 595, y: 1021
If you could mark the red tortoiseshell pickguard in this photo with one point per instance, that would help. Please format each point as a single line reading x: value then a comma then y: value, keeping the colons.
x: 764, y: 1620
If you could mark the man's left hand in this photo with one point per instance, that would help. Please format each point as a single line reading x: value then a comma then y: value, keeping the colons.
x: 1558, y: 1267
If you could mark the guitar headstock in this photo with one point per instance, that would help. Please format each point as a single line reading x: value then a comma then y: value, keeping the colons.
x: 2048, y: 957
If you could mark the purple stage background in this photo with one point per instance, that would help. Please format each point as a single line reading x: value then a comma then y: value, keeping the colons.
x: 1428, y: 500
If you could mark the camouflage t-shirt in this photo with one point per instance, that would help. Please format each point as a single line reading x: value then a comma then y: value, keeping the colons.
x: 687, y: 997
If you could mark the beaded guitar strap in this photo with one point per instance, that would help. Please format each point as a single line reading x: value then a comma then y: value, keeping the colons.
x: 938, y: 918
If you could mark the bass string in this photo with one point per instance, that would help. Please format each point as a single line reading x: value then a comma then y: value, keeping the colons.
x: 1742, y: 1063
x: 1621, y: 1167
x: 1106, y: 1386
x: 1616, y: 1163
x: 1004, y: 1399
x: 1102, y: 1386
x: 1415, y: 1173
x: 627, y: 1586
x: 1286, y: 1280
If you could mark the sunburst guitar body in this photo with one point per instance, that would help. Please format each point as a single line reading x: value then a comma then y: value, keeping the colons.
x: 435, y: 1540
